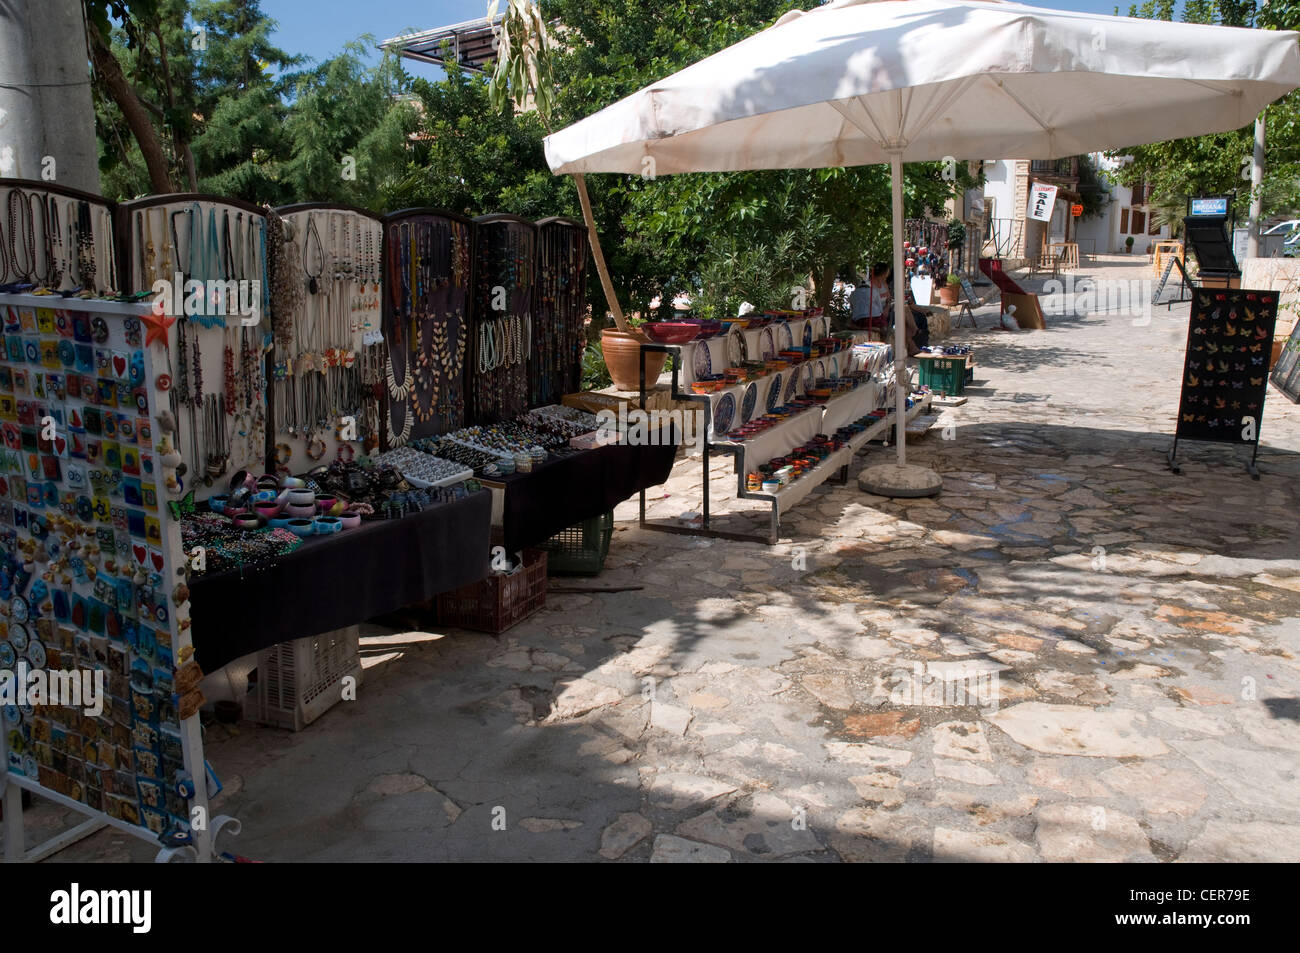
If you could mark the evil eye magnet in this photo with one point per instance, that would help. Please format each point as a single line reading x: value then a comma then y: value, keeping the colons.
x: 99, y: 330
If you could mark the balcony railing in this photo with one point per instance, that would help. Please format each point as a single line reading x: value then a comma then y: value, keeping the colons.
x: 1066, y: 168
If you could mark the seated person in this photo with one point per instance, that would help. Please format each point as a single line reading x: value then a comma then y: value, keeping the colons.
x: 869, y: 304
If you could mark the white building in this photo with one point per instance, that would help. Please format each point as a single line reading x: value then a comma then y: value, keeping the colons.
x: 1007, y: 233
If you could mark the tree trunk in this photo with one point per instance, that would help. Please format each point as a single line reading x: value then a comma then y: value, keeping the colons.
x: 826, y: 286
x: 133, y: 111
x: 599, y: 255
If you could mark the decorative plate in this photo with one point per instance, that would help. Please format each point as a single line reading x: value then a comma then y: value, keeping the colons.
x: 807, y: 333
x: 749, y: 402
x: 737, y: 346
x: 36, y: 654
x: 768, y: 344
x: 774, y: 393
x: 19, y: 638
x: 787, y: 335
x: 18, y: 609
x: 820, y: 373
x: 809, y: 378
x: 702, y: 363
x: 791, y: 386
x: 835, y: 367
x: 7, y: 656
x: 724, y: 412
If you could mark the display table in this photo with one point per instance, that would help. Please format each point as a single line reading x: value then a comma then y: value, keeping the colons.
x: 334, y: 581
x: 748, y: 454
x: 535, y: 506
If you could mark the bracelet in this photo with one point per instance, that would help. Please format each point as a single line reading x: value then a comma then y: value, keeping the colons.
x: 341, y: 457
x: 316, y: 448
x: 283, y: 454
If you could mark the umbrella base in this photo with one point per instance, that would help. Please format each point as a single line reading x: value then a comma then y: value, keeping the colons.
x: 892, y: 480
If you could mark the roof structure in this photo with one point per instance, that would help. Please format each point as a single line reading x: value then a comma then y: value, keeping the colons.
x: 471, y: 43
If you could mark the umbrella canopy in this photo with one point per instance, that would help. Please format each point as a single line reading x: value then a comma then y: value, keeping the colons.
x: 864, y: 81
x: 843, y: 83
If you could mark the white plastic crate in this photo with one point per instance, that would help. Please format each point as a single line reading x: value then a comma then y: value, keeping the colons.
x: 300, y: 680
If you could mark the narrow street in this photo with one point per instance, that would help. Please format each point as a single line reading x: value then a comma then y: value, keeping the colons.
x: 1126, y: 640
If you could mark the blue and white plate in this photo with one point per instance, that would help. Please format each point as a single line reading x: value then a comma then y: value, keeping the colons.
x: 791, y: 386
x: 787, y: 336
x: 835, y: 366
x: 702, y: 364
x: 749, y: 402
x: 809, y: 377
x: 774, y: 393
x: 768, y: 344
x: 724, y: 413
x: 820, y: 373
x: 807, y: 334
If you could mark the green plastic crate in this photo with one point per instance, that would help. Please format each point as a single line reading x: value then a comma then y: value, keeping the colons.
x: 944, y: 375
x: 580, y: 550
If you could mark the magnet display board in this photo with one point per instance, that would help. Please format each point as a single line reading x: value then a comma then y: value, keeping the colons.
x: 90, y: 567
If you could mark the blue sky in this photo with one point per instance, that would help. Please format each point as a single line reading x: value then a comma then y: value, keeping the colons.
x: 319, y: 28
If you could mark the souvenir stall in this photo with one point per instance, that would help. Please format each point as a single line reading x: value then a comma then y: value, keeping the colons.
x: 328, y: 353
x: 55, y: 240
x: 792, y: 419
x: 92, y: 577
x: 427, y: 322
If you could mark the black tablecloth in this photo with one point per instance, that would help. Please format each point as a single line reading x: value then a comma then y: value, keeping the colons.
x: 334, y: 581
x: 571, y: 489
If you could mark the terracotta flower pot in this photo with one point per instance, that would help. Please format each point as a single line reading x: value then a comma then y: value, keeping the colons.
x: 621, y: 352
x: 948, y: 295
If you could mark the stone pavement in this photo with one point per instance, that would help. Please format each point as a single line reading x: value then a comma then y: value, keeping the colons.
x: 1070, y: 654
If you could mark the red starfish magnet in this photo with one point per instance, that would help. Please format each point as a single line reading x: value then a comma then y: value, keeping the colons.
x: 159, y: 325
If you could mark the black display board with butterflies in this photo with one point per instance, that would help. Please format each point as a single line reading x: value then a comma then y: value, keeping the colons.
x: 1225, y: 372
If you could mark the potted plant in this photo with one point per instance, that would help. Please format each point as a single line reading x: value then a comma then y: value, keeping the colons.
x: 950, y: 291
x: 1128, y: 245
x: 622, y: 350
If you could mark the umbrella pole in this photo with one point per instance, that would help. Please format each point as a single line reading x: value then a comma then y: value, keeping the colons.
x: 900, y: 304
x: 899, y: 479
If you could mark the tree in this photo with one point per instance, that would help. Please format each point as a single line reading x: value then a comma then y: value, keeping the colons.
x: 190, y: 98
x: 524, y: 74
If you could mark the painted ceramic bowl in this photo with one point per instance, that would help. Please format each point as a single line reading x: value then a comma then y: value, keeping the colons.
x: 301, y: 527
x: 671, y: 332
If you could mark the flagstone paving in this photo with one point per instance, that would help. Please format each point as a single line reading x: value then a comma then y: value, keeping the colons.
x: 1069, y: 655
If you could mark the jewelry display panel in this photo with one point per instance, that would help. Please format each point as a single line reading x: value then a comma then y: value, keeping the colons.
x: 329, y: 358
x: 55, y: 241
x: 428, y: 270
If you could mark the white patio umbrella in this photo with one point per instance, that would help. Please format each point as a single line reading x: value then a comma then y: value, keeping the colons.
x: 865, y: 81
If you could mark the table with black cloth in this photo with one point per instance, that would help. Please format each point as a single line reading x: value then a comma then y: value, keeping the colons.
x: 565, y: 491
x: 330, y: 582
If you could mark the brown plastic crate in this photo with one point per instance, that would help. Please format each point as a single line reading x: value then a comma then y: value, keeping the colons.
x: 498, y: 602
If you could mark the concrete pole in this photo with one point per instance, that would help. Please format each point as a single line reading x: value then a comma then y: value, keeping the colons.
x: 1256, y: 199
x: 47, y: 120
